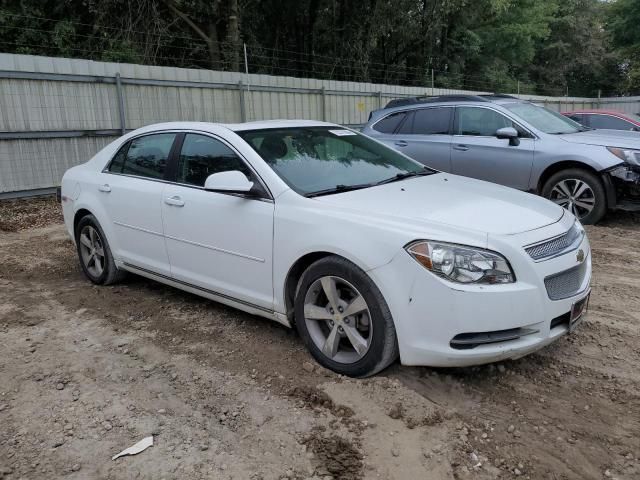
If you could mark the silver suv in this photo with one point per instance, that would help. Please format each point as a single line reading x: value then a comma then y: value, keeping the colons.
x: 516, y: 143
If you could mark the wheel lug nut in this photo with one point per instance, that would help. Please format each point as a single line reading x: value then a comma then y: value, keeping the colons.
x: 331, y: 311
x: 340, y: 309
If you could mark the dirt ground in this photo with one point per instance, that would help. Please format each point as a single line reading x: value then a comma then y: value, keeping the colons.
x: 87, y: 371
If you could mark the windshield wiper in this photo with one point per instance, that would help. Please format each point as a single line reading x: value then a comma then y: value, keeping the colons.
x: 338, y: 189
x: 402, y: 176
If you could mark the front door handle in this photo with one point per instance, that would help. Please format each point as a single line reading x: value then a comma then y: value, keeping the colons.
x: 401, y: 143
x: 105, y: 188
x: 175, y: 201
x: 461, y: 148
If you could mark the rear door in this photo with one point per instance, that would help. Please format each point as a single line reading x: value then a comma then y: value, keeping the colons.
x: 131, y: 190
x: 425, y: 136
x: 476, y: 152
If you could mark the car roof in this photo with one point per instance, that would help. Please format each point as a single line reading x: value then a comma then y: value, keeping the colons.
x: 454, y: 98
x: 606, y: 112
x: 235, y: 127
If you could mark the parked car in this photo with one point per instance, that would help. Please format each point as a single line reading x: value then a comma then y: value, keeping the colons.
x: 605, y: 119
x: 369, y: 254
x: 518, y: 144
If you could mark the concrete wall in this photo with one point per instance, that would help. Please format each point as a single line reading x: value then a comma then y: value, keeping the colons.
x: 57, y: 112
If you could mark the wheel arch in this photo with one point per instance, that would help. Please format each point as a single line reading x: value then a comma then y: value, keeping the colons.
x: 82, y: 212
x: 563, y: 165
x: 298, y: 268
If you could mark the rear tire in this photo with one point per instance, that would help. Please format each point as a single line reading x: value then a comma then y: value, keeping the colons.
x: 579, y: 191
x: 94, y: 253
x: 350, y: 329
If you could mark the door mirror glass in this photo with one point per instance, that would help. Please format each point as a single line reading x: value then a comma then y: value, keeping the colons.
x: 232, y: 181
x: 510, y: 134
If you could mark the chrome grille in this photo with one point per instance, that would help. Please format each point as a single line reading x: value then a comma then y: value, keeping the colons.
x: 566, y: 284
x: 554, y: 246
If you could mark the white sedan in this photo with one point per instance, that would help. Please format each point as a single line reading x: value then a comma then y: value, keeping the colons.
x: 369, y: 254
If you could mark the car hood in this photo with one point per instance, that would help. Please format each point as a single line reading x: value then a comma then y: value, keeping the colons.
x: 605, y: 138
x: 452, y: 200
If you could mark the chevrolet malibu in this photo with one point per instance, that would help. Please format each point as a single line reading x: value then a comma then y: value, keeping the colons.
x: 368, y: 254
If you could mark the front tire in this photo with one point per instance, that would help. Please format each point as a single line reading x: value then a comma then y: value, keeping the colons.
x: 94, y: 253
x: 343, y: 319
x: 579, y: 191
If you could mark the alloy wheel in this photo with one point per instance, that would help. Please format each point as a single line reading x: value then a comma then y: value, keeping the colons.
x: 574, y: 195
x: 92, y: 251
x: 338, y: 319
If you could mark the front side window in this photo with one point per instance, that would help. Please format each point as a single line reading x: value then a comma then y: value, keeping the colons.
x: 315, y: 159
x: 610, y: 122
x: 432, y: 121
x: 544, y: 119
x: 202, y: 156
x: 145, y: 156
x: 480, y: 122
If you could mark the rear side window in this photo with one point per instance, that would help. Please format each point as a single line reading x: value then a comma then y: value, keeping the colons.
x: 610, y: 122
x: 390, y: 123
x: 202, y: 156
x: 146, y: 156
x: 432, y: 121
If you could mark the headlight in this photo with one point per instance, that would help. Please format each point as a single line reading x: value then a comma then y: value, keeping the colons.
x: 627, y: 154
x: 460, y: 263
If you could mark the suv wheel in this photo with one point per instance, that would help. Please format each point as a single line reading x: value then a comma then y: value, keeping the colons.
x: 343, y: 319
x: 94, y: 253
x: 580, y: 192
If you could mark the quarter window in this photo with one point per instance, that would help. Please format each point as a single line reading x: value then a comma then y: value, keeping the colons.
x: 202, y: 156
x: 146, y: 156
x: 390, y: 123
x: 482, y: 122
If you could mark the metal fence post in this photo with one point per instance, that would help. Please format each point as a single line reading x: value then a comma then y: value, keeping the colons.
x: 243, y: 113
x: 379, y: 99
x: 323, y: 94
x: 123, y: 125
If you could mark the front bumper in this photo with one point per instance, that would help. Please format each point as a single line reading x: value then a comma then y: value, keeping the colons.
x: 622, y: 184
x: 430, y: 312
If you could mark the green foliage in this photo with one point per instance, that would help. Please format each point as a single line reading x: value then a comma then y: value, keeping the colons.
x: 534, y: 46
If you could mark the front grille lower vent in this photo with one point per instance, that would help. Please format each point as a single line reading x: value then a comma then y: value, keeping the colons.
x: 566, y: 284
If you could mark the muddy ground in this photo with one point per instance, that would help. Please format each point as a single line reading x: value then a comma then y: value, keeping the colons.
x: 87, y: 371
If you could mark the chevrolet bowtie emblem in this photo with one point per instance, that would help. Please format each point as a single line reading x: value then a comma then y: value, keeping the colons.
x: 580, y: 256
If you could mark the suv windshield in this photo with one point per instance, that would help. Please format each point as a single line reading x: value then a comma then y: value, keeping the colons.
x: 544, y: 119
x: 323, y: 160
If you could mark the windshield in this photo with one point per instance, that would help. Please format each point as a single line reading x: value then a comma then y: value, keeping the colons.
x: 544, y: 119
x: 633, y: 116
x: 322, y: 160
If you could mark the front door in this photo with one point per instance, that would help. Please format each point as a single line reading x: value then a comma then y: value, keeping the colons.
x: 476, y: 152
x: 220, y: 242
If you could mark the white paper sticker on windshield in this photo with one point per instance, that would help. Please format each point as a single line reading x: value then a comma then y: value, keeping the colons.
x: 342, y: 133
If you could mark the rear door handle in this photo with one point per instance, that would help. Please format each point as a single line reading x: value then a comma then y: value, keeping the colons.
x: 401, y: 143
x: 105, y: 188
x: 175, y: 201
x: 461, y: 148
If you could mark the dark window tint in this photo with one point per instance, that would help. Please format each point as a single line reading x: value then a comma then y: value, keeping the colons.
x: 610, y: 122
x: 390, y: 123
x: 481, y: 122
x: 577, y: 118
x: 432, y: 121
x: 407, y: 125
x: 202, y: 156
x: 118, y: 161
x: 147, y: 156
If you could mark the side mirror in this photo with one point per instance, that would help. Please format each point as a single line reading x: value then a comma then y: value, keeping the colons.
x: 233, y: 181
x: 509, y: 133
